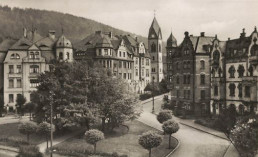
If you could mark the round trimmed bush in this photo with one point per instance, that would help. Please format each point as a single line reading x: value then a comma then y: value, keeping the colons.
x: 93, y: 136
x: 164, y: 115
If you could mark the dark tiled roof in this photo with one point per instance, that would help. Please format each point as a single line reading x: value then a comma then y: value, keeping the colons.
x: 46, y: 43
x: 200, y: 43
x: 6, y: 44
x: 236, y: 47
x: 63, y: 42
x: 155, y: 26
x: 171, y: 42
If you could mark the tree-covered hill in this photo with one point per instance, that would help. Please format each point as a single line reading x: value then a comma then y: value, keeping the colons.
x: 13, y: 20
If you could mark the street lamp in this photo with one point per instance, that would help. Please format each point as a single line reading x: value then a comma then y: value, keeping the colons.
x: 51, y: 123
x: 153, y: 95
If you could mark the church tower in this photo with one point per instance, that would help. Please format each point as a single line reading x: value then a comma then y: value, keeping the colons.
x: 155, y: 49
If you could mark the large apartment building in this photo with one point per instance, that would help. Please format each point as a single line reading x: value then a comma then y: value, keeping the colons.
x: 189, y: 72
x: 234, y: 74
x: 24, y: 59
x: 124, y: 55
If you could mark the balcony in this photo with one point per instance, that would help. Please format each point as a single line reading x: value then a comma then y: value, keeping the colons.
x: 249, y: 79
x: 253, y: 60
x: 14, y: 74
x: 218, y: 79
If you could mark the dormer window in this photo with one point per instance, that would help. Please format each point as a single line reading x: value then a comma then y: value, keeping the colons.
x: 32, y: 55
x: 153, y: 47
x: 15, y: 56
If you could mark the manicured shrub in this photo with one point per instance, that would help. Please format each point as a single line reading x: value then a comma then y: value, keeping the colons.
x: 170, y: 127
x: 93, y: 136
x: 44, y: 129
x: 150, y: 140
x: 164, y: 115
x: 13, y: 141
x: 145, y: 96
x: 27, y: 128
x: 29, y: 151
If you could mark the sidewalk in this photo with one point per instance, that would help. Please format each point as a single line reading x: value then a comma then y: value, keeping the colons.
x: 11, y: 149
x: 43, y: 146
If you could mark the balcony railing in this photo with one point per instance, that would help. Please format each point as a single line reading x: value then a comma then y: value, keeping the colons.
x: 253, y: 60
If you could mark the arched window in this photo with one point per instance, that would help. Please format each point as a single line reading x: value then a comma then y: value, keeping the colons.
x: 232, y: 88
x: 251, y: 70
x: 61, y: 55
x: 216, y: 90
x: 68, y: 55
x: 153, y: 47
x: 12, y: 56
x: 232, y: 72
x: 216, y: 56
x: 36, y: 55
x: 241, y: 109
x: 240, y: 90
x: 202, y: 64
x: 202, y: 79
x: 241, y: 70
x: 17, y: 56
x: 254, y: 50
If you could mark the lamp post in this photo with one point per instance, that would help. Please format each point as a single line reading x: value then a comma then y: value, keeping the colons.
x: 153, y: 95
x: 51, y: 123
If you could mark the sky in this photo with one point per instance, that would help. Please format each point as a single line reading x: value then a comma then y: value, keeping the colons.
x: 226, y: 18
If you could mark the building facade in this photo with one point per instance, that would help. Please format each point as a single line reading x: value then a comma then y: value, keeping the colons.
x: 124, y: 56
x: 155, y: 49
x: 27, y: 57
x: 189, y: 73
x: 234, y: 74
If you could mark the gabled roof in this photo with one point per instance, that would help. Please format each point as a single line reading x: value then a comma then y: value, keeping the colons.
x: 200, y: 43
x: 6, y: 44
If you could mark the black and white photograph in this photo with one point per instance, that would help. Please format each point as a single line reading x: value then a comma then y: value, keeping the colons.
x: 128, y: 78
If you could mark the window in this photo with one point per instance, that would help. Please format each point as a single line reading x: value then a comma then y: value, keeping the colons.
x: 186, y: 51
x: 241, y: 109
x: 147, y: 62
x: 232, y: 72
x: 247, y: 91
x: 18, y: 69
x: 232, y: 88
x: 15, y: 56
x: 36, y: 55
x: 177, y: 79
x: 11, y: 98
x: 19, y: 85
x: 184, y: 79
x: 188, y: 79
x: 153, y: 69
x: 34, y: 83
x: 106, y: 51
x: 136, y: 61
x: 147, y: 73
x: 177, y: 65
x: 136, y: 72
x: 153, y: 47
x: 120, y: 64
x: 124, y: 75
x: 32, y: 55
x: 251, y: 70
x: 11, y: 70
x: 142, y: 72
x: 68, y: 55
x: 216, y: 90
x: 61, y: 55
x: 202, y: 79
x: 202, y: 94
x: 120, y: 53
x: 124, y: 66
x: 11, y: 84
x: 240, y: 90
x: 241, y: 71
x: 124, y: 54
x: 99, y: 52
x: 220, y: 72
x: 216, y: 56
x: 153, y: 58
x: 142, y: 61
x: 202, y: 64
x: 34, y: 69
x: 177, y: 93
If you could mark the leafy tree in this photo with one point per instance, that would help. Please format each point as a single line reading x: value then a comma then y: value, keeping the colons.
x: 93, y: 136
x: 164, y: 115
x: 20, y: 101
x: 149, y: 140
x: 68, y: 84
x: 114, y: 101
x: 44, y: 129
x: 29, y: 107
x: 163, y: 86
x: 1, y: 106
x: 245, y: 136
x: 169, y: 127
x: 27, y: 128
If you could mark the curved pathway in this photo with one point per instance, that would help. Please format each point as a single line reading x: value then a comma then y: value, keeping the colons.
x: 193, y: 142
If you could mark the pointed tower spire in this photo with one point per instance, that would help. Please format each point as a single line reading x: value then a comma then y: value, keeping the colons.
x: 171, y: 42
x: 155, y: 31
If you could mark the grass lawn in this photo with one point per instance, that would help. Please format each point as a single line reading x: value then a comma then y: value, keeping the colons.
x: 120, y: 140
x: 11, y: 130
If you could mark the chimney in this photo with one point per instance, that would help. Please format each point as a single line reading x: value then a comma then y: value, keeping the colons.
x: 51, y: 34
x: 110, y: 35
x: 24, y: 32
x: 98, y: 32
x: 191, y: 35
x: 243, y: 33
x: 202, y: 34
x: 136, y: 38
x: 228, y: 39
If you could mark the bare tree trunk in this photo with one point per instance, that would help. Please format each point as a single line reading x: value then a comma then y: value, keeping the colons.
x: 150, y: 153
x: 103, y: 124
x: 47, y: 140
x: 95, y: 145
x: 30, y: 116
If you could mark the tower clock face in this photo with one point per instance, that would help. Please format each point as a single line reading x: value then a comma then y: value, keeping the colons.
x: 152, y: 35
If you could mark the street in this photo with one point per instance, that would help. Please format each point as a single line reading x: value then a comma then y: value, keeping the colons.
x: 193, y: 143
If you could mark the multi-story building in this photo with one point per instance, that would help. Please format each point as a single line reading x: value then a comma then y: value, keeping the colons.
x: 189, y: 72
x: 234, y: 74
x: 27, y: 57
x: 124, y: 55
x: 155, y: 48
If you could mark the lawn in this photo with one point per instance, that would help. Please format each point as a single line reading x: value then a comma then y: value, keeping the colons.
x: 120, y: 140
